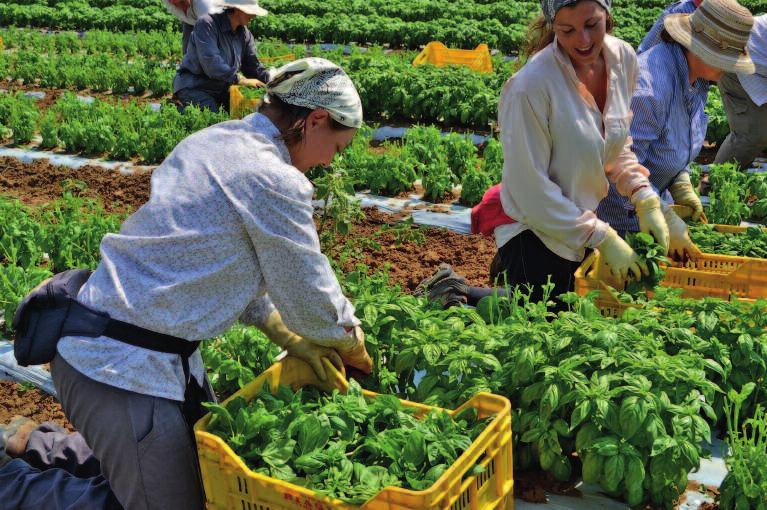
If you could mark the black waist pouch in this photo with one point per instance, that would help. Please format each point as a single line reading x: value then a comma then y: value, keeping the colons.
x: 51, y: 311
x: 40, y: 319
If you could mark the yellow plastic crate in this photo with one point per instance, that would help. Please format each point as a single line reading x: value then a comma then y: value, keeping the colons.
x: 438, y: 54
x: 230, y: 485
x: 239, y: 105
x: 708, y: 275
x: 280, y: 58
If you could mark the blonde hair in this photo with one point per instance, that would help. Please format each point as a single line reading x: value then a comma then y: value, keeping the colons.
x: 540, y: 34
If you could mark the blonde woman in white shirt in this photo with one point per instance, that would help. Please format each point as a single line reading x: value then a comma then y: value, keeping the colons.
x: 564, y: 120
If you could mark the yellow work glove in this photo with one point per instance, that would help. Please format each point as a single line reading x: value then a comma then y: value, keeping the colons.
x: 683, y: 194
x: 619, y: 258
x: 651, y: 220
x: 681, y: 246
x: 355, y: 355
x: 251, y: 82
x: 299, y: 347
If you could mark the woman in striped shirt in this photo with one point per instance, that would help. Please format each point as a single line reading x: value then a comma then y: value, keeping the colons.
x: 669, y: 124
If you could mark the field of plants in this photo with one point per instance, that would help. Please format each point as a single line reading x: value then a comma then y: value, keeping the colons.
x: 629, y: 404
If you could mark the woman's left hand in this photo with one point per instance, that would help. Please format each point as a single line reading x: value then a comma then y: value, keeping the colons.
x: 251, y: 82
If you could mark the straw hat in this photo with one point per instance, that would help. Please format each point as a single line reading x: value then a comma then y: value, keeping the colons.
x: 247, y: 6
x: 717, y: 32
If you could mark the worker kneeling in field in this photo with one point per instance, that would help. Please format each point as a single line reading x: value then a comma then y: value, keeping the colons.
x: 669, y: 124
x: 744, y: 95
x: 564, y: 120
x: 220, y: 47
x: 227, y: 235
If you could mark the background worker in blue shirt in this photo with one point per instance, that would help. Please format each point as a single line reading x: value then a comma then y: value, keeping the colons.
x: 669, y: 124
x: 744, y: 96
x: 220, y: 48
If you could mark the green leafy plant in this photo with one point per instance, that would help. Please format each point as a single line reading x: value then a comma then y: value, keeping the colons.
x: 651, y: 254
x: 750, y: 243
x: 437, y: 179
x: 745, y: 485
x: 475, y: 184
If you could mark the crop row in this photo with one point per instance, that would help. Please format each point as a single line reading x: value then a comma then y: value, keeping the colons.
x: 501, y: 25
x: 390, y: 87
x: 634, y: 397
x: 128, y: 131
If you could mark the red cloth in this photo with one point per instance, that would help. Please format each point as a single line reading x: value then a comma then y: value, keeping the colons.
x: 488, y: 214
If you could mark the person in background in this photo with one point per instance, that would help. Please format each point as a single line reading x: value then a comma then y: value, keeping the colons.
x: 744, y: 96
x: 564, y: 120
x: 187, y: 12
x: 669, y: 124
x: 220, y: 48
x: 227, y: 235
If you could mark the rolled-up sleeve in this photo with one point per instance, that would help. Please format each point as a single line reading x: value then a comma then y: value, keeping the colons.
x: 627, y: 173
x: 208, y: 53
x: 537, y: 200
x: 299, y: 279
x: 251, y: 66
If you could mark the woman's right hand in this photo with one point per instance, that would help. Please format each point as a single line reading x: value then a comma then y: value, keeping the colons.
x: 356, y: 355
x: 620, y: 258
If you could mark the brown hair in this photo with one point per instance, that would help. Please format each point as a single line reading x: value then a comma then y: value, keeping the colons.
x: 290, y: 119
x: 540, y: 33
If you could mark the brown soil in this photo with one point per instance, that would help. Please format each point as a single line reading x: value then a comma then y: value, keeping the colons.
x: 409, y: 263
x: 40, y: 182
x: 52, y: 95
x: 31, y: 403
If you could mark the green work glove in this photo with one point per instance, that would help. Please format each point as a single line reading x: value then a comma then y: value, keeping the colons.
x: 680, y: 246
x: 651, y: 219
x: 683, y: 194
x: 299, y: 347
x: 619, y: 258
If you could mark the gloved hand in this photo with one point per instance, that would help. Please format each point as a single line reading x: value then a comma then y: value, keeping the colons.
x: 680, y: 246
x: 251, y: 82
x: 356, y: 355
x: 651, y: 220
x: 299, y: 347
x: 683, y: 194
x: 620, y: 259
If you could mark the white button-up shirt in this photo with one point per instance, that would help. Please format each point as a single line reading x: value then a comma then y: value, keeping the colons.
x: 227, y: 234
x: 560, y: 150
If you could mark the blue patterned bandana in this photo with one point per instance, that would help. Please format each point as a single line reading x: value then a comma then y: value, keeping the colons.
x: 550, y: 7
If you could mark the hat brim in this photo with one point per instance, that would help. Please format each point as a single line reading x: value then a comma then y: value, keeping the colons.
x: 252, y: 10
x: 679, y: 28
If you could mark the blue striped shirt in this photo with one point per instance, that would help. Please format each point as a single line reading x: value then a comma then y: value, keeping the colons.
x: 668, y: 127
x: 653, y: 37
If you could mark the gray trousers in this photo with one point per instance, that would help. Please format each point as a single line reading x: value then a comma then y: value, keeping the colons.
x: 143, y: 445
x: 748, y: 124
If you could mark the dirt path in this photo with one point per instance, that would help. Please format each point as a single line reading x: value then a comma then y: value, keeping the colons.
x: 41, y: 182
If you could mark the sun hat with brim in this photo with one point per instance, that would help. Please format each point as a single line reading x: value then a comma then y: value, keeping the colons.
x: 717, y: 33
x: 250, y: 7
x: 318, y: 83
